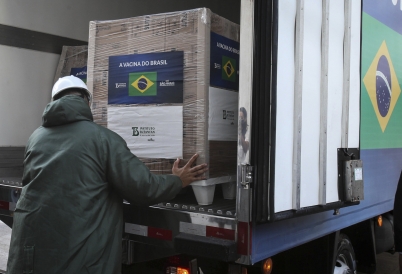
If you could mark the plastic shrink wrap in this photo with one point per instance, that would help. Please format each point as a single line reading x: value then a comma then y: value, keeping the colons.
x: 73, y: 61
x: 168, y: 84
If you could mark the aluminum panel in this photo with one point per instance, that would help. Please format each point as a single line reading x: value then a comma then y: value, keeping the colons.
x: 309, y: 183
x: 335, y: 80
x: 286, y: 86
x: 354, y: 97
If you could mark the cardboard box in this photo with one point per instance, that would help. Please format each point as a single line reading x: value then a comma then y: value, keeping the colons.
x: 73, y: 61
x: 119, y: 49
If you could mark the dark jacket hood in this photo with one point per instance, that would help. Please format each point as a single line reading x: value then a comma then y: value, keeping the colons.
x: 68, y: 109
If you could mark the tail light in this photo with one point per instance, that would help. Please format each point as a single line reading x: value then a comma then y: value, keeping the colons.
x: 379, y: 221
x: 177, y: 270
x: 267, y: 266
x: 181, y: 265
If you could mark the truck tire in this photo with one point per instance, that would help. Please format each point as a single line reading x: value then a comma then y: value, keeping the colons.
x: 345, y: 261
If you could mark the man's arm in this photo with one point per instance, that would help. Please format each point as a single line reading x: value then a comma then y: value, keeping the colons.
x: 133, y: 180
x: 189, y: 174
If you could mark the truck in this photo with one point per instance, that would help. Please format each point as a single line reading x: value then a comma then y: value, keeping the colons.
x: 315, y: 187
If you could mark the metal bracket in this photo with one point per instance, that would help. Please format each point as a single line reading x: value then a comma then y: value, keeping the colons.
x: 246, y: 176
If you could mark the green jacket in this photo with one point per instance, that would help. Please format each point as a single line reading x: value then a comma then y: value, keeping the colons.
x: 76, y: 173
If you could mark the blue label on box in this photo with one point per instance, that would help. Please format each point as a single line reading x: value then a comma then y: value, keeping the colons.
x: 224, y: 62
x: 80, y: 73
x: 151, y: 78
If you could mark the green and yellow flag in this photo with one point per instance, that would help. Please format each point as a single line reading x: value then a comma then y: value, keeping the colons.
x: 381, y: 70
x: 142, y: 84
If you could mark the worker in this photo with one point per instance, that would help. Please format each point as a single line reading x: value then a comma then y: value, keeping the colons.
x: 69, y: 217
x: 398, y: 221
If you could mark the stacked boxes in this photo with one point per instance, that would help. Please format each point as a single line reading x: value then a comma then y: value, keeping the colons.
x: 73, y: 61
x: 167, y: 83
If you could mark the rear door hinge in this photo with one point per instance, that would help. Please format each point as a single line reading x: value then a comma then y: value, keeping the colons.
x: 246, y: 176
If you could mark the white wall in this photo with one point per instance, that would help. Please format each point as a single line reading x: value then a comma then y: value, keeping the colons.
x: 25, y: 90
x: 27, y: 76
x: 71, y: 18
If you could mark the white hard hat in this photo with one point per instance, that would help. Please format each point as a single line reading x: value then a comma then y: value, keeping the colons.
x: 70, y: 82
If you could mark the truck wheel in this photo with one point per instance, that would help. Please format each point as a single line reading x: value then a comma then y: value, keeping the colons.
x: 345, y: 262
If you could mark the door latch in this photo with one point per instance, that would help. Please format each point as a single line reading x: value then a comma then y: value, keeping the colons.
x: 246, y: 176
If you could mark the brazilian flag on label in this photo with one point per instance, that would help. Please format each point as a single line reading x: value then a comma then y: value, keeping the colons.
x: 142, y: 84
x: 381, y: 71
x: 229, y: 69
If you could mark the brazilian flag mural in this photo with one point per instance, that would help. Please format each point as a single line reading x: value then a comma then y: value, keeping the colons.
x: 381, y: 72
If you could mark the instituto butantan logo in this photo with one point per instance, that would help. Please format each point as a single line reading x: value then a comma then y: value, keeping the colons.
x: 142, y: 84
x: 144, y: 131
x: 382, y: 86
x: 120, y: 85
x: 228, y: 115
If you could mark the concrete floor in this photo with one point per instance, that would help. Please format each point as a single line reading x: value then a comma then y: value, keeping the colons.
x: 386, y: 263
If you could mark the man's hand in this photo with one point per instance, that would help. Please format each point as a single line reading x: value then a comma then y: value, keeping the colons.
x: 189, y: 174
